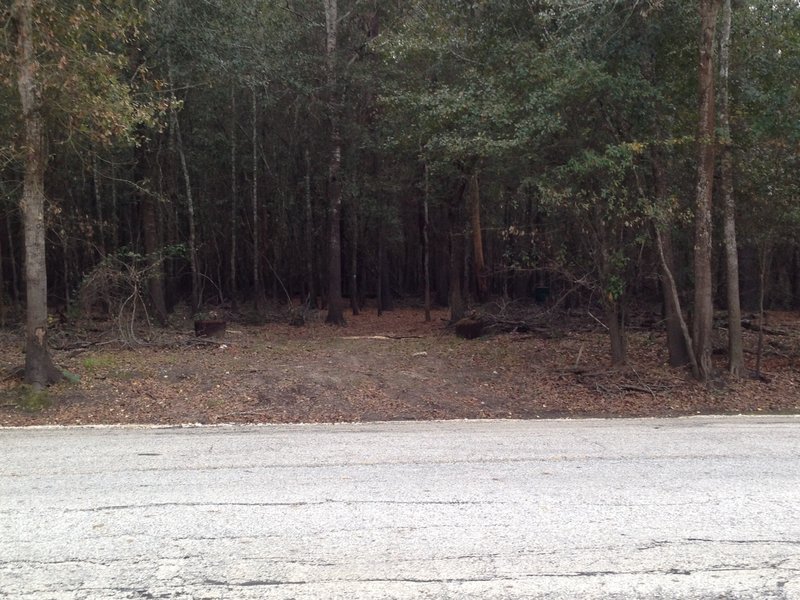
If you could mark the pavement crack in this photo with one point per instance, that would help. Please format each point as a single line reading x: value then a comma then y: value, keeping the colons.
x: 281, y: 504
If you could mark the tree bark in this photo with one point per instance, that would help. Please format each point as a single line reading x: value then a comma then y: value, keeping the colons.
x: 335, y: 313
x: 735, y: 349
x: 39, y: 367
x: 703, y: 301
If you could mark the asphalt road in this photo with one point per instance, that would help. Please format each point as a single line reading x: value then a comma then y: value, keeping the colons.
x: 686, y: 508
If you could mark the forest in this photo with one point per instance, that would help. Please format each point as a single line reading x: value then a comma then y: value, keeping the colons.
x: 343, y: 155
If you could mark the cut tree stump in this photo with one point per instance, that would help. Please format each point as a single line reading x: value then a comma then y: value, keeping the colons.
x: 469, y: 328
x: 206, y: 328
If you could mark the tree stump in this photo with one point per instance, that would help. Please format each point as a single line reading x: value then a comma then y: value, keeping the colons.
x: 469, y: 328
x: 208, y: 328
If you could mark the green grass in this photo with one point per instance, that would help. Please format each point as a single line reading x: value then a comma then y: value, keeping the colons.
x: 102, y: 362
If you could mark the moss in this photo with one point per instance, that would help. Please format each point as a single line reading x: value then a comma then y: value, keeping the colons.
x: 30, y: 399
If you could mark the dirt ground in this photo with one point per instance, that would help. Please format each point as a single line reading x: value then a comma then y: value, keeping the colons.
x: 391, y: 367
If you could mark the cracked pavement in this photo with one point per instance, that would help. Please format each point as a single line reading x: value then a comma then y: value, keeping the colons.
x: 705, y: 507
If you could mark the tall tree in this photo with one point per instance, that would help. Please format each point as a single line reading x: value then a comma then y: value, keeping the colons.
x: 39, y: 367
x: 335, y: 312
x: 735, y: 349
x: 703, y: 291
x: 73, y: 83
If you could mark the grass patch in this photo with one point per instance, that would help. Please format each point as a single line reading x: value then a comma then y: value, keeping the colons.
x: 93, y: 364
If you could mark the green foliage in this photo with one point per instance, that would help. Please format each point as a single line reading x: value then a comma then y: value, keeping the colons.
x: 90, y: 81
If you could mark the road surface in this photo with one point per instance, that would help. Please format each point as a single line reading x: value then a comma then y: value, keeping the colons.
x: 684, y: 508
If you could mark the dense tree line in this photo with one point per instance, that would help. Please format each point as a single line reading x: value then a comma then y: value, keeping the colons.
x: 606, y: 153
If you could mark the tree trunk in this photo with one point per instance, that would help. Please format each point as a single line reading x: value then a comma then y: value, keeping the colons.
x: 457, y: 254
x: 735, y: 349
x: 258, y: 288
x: 763, y: 264
x: 481, y: 281
x: 2, y: 290
x: 190, y: 209
x: 234, y: 202
x: 12, y: 255
x: 155, y: 279
x: 456, y: 297
x: 672, y: 290
x: 39, y: 367
x: 616, y: 332
x: 114, y: 223
x: 677, y: 342
x: 379, y: 282
x: 426, y: 259
x: 309, y: 234
x: 703, y: 302
x: 335, y: 313
x: 98, y: 200
x: 354, y: 262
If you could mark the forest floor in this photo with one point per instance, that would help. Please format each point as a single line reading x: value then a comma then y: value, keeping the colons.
x: 391, y: 367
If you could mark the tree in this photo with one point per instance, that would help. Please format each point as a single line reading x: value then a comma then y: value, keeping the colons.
x: 703, y: 299
x: 735, y: 350
x: 68, y: 61
x: 39, y: 367
x: 335, y: 313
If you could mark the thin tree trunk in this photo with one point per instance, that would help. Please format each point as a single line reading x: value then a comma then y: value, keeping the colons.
x: 155, y: 279
x: 309, y: 233
x: 114, y: 223
x: 2, y: 289
x: 354, y: 263
x: 672, y: 290
x: 335, y: 314
x: 39, y: 367
x: 426, y: 259
x: 616, y: 332
x: 735, y: 349
x: 677, y: 342
x: 190, y: 209
x: 477, y: 239
x: 234, y: 201
x: 98, y: 200
x: 258, y: 288
x: 762, y: 288
x: 12, y: 255
x: 379, y: 283
x: 457, y: 255
x: 703, y: 299
x: 65, y: 268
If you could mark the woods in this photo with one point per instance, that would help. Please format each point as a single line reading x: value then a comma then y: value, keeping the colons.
x: 606, y: 157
